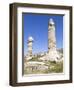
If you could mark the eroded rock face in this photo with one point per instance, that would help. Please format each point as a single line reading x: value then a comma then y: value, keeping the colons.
x: 51, y: 35
x: 51, y: 56
x: 30, y: 46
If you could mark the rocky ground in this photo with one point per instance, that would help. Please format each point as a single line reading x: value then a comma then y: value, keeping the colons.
x: 36, y: 66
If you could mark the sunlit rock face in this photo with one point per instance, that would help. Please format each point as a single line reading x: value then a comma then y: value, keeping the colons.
x: 30, y: 47
x: 52, y: 53
x: 51, y: 35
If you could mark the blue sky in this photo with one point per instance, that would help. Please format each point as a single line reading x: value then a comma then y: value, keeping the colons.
x: 36, y: 25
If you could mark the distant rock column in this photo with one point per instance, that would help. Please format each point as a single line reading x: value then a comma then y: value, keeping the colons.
x: 30, y: 46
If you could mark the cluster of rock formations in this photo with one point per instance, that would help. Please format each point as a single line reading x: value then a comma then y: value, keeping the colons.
x: 52, y: 54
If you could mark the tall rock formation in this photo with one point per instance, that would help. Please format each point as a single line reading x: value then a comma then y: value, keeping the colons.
x: 30, y: 46
x: 52, y: 52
